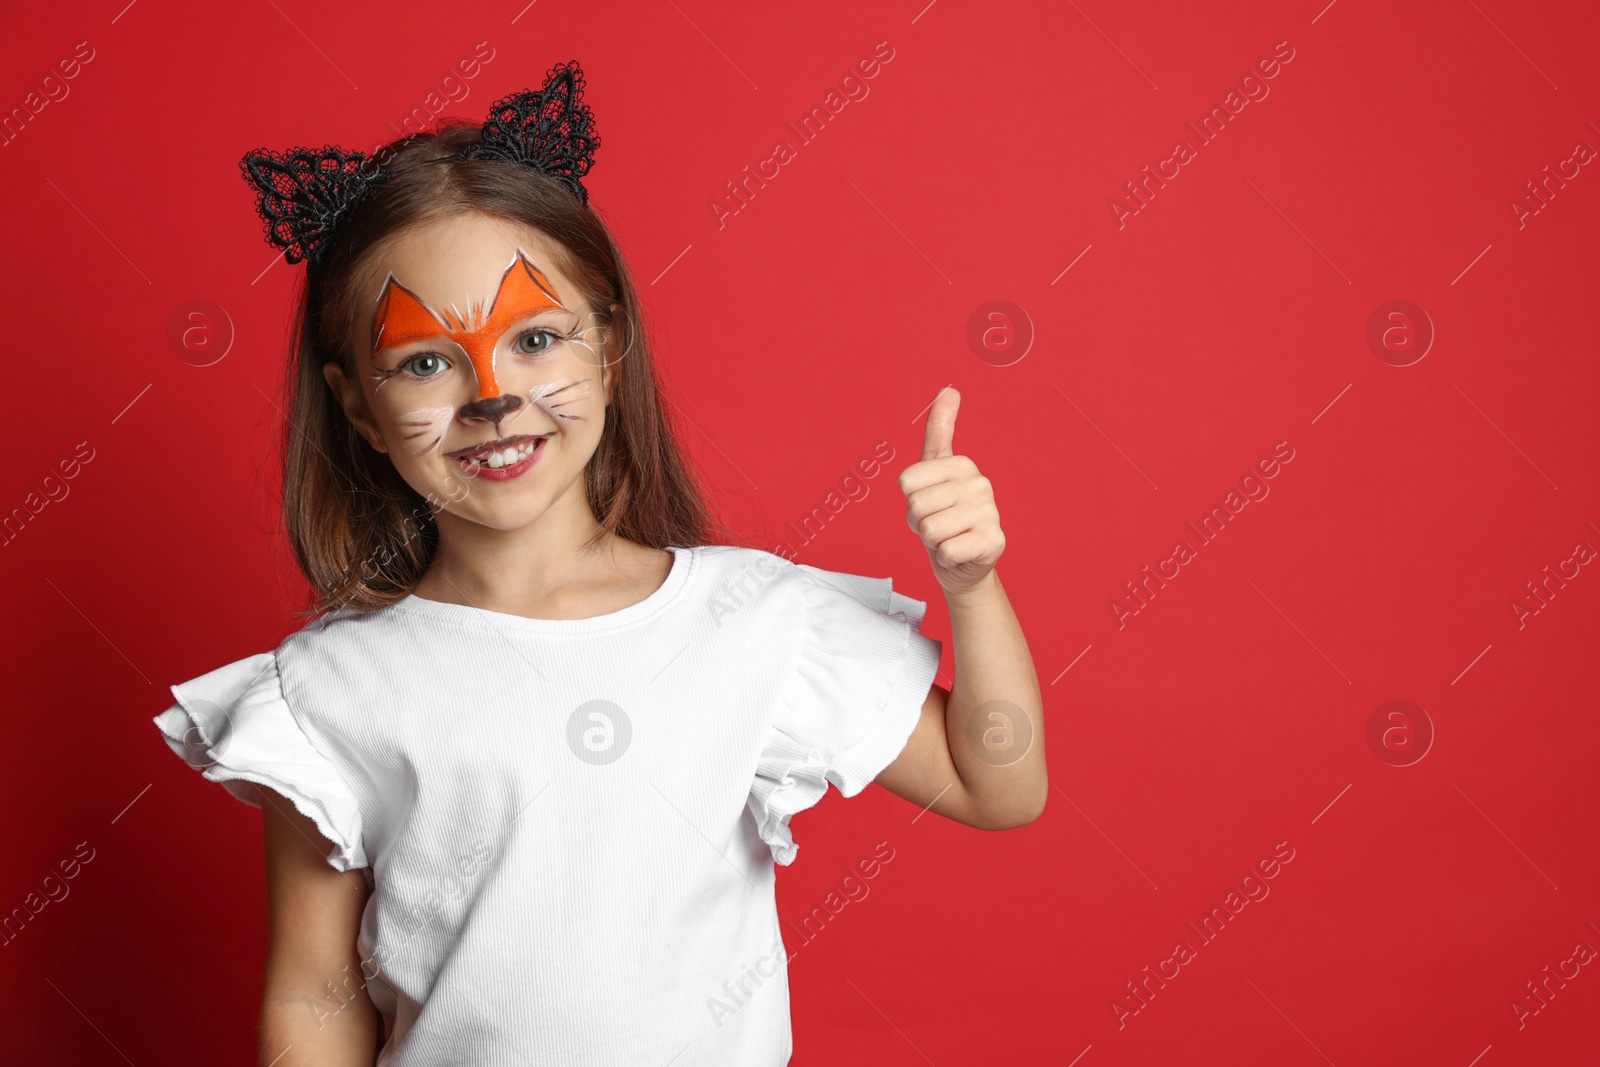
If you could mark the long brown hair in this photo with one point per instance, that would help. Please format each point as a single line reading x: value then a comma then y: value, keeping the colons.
x: 360, y: 534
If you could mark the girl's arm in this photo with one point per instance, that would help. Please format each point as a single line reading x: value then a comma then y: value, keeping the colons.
x: 977, y: 754
x: 314, y: 1004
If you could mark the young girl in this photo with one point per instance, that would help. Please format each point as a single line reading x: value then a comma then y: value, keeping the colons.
x: 525, y: 776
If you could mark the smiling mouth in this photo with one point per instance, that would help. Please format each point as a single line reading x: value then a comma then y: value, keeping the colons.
x: 505, y: 452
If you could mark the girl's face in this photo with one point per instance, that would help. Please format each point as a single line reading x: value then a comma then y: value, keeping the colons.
x: 481, y: 370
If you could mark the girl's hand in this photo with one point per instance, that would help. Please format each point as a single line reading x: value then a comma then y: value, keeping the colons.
x: 951, y: 506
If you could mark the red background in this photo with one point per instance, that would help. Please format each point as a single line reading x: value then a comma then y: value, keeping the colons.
x: 1229, y: 314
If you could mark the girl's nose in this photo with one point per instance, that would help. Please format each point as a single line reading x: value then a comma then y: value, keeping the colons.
x: 491, y: 409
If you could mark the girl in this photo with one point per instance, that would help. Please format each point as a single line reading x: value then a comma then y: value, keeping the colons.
x: 525, y: 775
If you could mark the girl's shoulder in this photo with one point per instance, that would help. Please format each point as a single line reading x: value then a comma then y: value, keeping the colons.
x: 803, y: 591
x: 342, y: 631
x: 263, y: 681
x: 235, y: 726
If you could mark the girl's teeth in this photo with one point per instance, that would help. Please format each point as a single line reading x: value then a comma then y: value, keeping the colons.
x: 506, y: 458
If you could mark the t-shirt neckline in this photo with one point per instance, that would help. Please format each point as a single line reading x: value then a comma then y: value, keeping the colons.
x: 683, y: 562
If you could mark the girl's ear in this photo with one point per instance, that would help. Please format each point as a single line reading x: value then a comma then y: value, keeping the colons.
x: 349, y: 396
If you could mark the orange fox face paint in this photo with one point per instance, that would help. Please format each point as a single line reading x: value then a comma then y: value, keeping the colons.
x: 479, y: 368
x: 403, y: 319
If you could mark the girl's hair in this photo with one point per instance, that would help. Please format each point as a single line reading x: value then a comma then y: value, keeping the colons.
x: 360, y: 534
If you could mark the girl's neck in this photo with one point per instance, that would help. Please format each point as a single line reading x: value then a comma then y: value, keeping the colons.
x: 541, y: 571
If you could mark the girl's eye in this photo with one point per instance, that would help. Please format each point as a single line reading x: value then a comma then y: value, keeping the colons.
x: 537, y: 342
x: 423, y: 365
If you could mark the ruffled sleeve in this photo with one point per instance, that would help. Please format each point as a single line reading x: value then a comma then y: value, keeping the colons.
x: 234, y: 726
x: 856, y: 691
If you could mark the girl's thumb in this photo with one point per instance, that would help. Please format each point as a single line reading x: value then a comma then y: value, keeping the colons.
x: 939, y: 440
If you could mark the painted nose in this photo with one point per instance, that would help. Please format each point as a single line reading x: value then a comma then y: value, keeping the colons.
x: 492, y: 409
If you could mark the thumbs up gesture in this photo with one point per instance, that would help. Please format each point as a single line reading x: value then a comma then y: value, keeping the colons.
x: 951, y: 506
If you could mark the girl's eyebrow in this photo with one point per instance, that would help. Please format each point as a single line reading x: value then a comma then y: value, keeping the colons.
x: 442, y: 334
x: 414, y: 337
x: 401, y: 318
x: 420, y: 318
x: 539, y: 312
x: 437, y: 342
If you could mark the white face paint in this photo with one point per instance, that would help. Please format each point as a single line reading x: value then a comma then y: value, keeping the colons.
x: 422, y: 431
x: 558, y: 399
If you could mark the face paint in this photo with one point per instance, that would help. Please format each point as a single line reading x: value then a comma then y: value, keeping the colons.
x: 423, y: 430
x: 401, y: 318
x: 552, y: 397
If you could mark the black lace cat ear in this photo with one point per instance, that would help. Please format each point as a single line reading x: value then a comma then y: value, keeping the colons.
x: 549, y: 128
x: 303, y: 193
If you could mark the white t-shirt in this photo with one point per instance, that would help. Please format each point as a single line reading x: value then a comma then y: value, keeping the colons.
x: 569, y: 825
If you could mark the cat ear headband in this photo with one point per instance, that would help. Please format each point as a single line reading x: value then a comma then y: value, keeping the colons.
x: 303, y: 194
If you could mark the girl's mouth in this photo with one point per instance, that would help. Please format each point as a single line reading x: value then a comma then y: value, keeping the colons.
x: 501, y: 460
